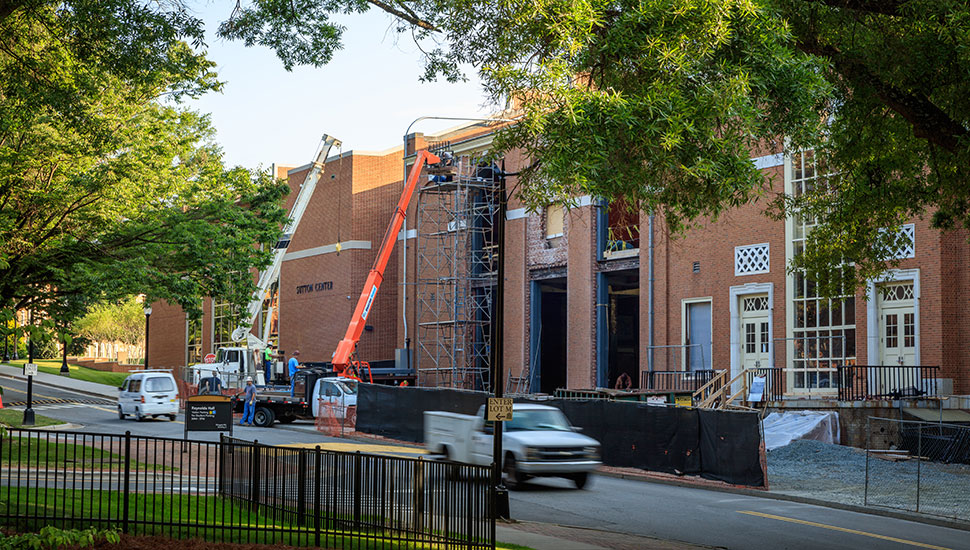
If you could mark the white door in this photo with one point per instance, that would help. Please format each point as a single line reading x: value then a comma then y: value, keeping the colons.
x: 897, y: 335
x: 755, y: 320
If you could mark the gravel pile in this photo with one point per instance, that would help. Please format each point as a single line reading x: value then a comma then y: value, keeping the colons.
x: 838, y: 474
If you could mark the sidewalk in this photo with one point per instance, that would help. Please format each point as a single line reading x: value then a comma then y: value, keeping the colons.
x: 63, y: 382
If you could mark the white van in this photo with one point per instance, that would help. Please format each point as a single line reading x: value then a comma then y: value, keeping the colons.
x: 150, y: 392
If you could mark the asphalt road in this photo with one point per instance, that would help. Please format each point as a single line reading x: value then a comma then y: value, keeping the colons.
x: 696, y: 516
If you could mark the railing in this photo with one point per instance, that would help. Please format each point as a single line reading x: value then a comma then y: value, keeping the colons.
x: 774, y: 382
x: 676, y: 380
x: 861, y: 382
x: 239, y: 491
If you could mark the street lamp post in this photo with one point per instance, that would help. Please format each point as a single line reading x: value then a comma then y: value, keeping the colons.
x: 29, y: 411
x: 65, y: 371
x: 148, y: 314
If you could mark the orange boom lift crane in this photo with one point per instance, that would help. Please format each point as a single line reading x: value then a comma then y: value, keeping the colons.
x: 344, y: 359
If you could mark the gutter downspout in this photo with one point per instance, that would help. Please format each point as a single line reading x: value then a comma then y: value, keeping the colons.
x: 650, y: 293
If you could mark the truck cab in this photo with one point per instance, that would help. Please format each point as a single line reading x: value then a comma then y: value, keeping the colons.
x: 537, y: 442
x: 232, y: 365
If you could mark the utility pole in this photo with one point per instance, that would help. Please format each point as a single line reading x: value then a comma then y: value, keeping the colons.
x: 500, y: 493
x: 29, y: 411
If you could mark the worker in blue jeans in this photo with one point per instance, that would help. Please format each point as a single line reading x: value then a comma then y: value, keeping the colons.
x: 294, y: 365
x: 249, y: 402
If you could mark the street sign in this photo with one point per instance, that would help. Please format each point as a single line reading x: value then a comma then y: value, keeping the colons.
x: 499, y: 409
x: 30, y: 369
x: 208, y: 413
x: 209, y: 358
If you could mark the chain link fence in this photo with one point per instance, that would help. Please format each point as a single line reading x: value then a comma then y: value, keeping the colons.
x: 918, y: 466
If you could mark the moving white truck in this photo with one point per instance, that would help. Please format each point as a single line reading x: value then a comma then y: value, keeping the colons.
x: 537, y: 442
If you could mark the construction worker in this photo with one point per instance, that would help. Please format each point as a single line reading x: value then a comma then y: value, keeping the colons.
x: 268, y: 363
x: 293, y: 365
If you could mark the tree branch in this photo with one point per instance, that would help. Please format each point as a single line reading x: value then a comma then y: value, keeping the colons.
x: 405, y: 14
x: 929, y: 122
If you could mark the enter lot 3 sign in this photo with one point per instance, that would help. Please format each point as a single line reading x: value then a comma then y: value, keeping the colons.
x: 499, y: 409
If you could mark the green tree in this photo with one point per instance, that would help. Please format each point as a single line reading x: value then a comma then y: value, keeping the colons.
x: 107, y: 187
x: 662, y: 101
x: 114, y: 322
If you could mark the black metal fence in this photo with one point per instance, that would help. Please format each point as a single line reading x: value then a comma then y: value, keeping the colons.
x: 240, y: 491
x: 860, y: 382
x: 675, y: 380
x: 774, y: 381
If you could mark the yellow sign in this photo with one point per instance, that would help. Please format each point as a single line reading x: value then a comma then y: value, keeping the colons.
x: 683, y: 401
x: 499, y: 409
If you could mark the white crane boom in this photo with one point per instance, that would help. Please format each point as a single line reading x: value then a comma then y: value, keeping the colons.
x: 268, y: 276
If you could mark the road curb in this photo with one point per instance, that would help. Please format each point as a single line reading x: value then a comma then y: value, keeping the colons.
x: 60, y: 386
x: 894, y: 514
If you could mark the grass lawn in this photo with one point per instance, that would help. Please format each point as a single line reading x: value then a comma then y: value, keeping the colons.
x: 14, y: 418
x: 53, y: 366
x: 212, y: 518
x: 35, y: 452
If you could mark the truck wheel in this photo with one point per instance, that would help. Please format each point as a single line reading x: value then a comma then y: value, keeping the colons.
x: 513, y: 479
x: 263, y: 417
x: 580, y: 479
x: 121, y: 415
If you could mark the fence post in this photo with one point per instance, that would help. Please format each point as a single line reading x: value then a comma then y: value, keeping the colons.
x: 865, y: 494
x: 919, y: 461
x: 357, y: 486
x: 220, y: 482
x: 126, y: 490
x: 254, y: 476
x: 301, y: 488
x: 317, y: 478
x: 418, y: 490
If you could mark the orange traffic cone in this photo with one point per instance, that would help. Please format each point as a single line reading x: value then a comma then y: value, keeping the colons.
x: 1, y: 400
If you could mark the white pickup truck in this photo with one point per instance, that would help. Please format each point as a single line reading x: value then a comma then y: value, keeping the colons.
x: 538, y: 441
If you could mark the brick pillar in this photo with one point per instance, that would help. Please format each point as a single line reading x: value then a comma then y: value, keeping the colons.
x: 580, y: 322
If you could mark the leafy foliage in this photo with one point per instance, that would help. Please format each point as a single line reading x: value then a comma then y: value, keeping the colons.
x: 107, y: 187
x: 664, y: 101
x: 52, y: 538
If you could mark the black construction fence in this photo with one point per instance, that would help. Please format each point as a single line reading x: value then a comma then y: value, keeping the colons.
x: 239, y: 491
x: 714, y: 444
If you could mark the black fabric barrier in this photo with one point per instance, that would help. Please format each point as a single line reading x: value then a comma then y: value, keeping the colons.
x: 398, y: 412
x: 730, y: 446
x: 722, y: 445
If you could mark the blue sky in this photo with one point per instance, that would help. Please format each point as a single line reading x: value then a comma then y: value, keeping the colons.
x: 366, y: 97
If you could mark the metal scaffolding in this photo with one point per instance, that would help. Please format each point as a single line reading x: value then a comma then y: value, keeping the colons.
x: 456, y: 275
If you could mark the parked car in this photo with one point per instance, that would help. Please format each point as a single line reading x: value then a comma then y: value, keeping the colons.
x: 538, y: 441
x: 149, y: 392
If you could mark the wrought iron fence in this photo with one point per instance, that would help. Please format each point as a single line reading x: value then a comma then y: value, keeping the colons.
x: 240, y: 491
x: 774, y: 381
x: 860, y: 382
x: 676, y: 380
x: 918, y: 466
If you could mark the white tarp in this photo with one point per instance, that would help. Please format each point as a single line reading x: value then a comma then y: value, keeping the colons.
x: 783, y: 428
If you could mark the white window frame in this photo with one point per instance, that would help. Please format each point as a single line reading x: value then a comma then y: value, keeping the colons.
x: 735, y: 293
x: 872, y: 310
x: 683, y: 329
x: 739, y: 249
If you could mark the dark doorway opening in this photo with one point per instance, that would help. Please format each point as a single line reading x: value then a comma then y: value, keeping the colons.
x: 549, y: 327
x: 623, y: 327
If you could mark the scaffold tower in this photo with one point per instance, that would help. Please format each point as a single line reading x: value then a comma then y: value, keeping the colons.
x: 456, y: 274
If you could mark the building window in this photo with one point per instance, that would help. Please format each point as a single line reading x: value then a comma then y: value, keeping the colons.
x: 697, y: 334
x: 554, y: 223
x: 223, y: 323
x: 622, y: 227
x: 822, y: 331
x: 193, y: 339
x: 751, y: 259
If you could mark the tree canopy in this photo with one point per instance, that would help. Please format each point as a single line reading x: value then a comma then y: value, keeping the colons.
x: 663, y: 101
x: 107, y: 186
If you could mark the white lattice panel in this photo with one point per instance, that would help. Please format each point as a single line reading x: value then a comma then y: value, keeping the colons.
x: 906, y: 236
x: 751, y: 259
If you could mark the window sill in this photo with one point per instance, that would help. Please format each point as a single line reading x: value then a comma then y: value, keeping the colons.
x: 620, y: 254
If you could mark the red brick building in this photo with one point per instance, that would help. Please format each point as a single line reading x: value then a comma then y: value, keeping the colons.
x: 592, y: 291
